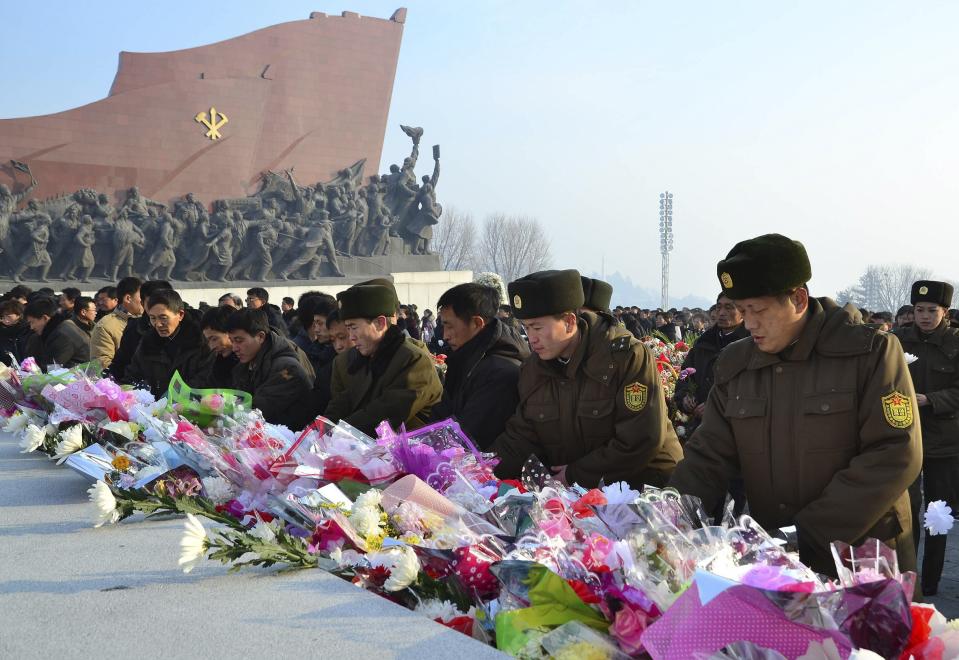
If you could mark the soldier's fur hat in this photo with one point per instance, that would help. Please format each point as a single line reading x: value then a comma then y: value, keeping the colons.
x: 597, y: 293
x: 366, y: 301
x: 546, y: 293
x: 767, y: 265
x: 932, y: 291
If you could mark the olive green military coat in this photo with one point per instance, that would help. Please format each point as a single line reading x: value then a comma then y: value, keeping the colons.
x: 603, y: 414
x: 825, y: 435
x: 936, y: 374
x: 398, y: 384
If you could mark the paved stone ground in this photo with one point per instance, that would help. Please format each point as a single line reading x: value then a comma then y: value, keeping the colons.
x: 68, y: 590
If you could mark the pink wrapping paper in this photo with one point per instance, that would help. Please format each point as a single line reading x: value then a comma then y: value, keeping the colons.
x: 740, y: 613
x: 413, y: 489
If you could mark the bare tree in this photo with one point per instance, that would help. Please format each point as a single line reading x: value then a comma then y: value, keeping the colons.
x: 455, y: 239
x: 884, y: 287
x: 513, y: 246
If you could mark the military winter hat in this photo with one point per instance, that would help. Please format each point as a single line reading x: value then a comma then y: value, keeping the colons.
x: 388, y: 283
x: 932, y: 291
x: 763, y: 266
x: 366, y: 301
x: 597, y: 294
x: 545, y: 293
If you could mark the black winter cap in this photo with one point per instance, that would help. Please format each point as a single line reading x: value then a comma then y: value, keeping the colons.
x: 932, y: 291
x: 545, y: 293
x: 597, y: 293
x: 767, y: 265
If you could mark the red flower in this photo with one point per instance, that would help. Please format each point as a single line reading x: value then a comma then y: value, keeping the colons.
x: 584, y: 591
x: 338, y: 468
x: 920, y: 630
x: 463, y: 624
x: 681, y: 346
x: 581, y: 506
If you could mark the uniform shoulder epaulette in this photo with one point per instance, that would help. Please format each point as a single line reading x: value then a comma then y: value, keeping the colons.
x: 621, y: 343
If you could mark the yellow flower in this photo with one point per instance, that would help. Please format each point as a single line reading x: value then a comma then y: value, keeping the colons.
x: 121, y: 463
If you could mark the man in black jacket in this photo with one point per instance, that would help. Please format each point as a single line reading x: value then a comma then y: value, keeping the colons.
x: 134, y: 331
x: 271, y: 368
x: 482, y: 371
x: 61, y: 341
x: 692, y: 391
x: 258, y: 298
x: 219, y: 372
x: 174, y: 343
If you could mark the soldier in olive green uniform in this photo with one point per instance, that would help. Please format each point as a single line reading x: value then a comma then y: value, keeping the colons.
x: 591, y: 401
x: 386, y: 375
x: 935, y: 376
x: 815, y: 410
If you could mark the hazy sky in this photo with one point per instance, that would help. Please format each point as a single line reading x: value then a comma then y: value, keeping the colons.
x: 834, y: 123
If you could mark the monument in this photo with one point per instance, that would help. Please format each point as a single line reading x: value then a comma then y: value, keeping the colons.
x: 240, y: 160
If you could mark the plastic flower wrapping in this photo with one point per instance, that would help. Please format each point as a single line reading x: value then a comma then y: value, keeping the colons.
x: 532, y: 566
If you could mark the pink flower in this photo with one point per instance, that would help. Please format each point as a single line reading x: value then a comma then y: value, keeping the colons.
x: 597, y: 549
x: 628, y: 628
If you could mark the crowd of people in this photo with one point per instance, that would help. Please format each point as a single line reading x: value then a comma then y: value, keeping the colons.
x: 805, y: 411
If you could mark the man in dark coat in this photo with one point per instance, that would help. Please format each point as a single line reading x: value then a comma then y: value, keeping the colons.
x: 173, y: 344
x: 479, y: 390
x: 935, y: 375
x: 271, y: 368
x: 386, y: 375
x: 61, y: 341
x: 134, y: 331
x: 816, y: 411
x: 692, y: 391
x: 258, y: 298
x: 591, y: 402
x: 219, y: 373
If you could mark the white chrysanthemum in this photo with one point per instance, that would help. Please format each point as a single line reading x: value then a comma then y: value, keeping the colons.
x: 217, y: 489
x: 620, y: 493
x: 128, y: 430
x: 263, y: 531
x: 910, y: 358
x: 32, y: 439
x: 71, y: 441
x: 104, y: 503
x: 939, y: 518
x: 366, y: 521
x: 370, y: 499
x: 194, y: 543
x: 403, y: 571
x: 16, y: 423
x: 438, y: 609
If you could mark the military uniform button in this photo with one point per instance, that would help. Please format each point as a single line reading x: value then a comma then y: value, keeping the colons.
x: 782, y: 507
x: 605, y: 377
x: 742, y: 411
x: 595, y: 412
x: 541, y: 415
x: 824, y: 407
x: 779, y: 370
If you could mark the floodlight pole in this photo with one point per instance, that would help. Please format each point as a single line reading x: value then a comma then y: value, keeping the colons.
x: 665, y: 240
